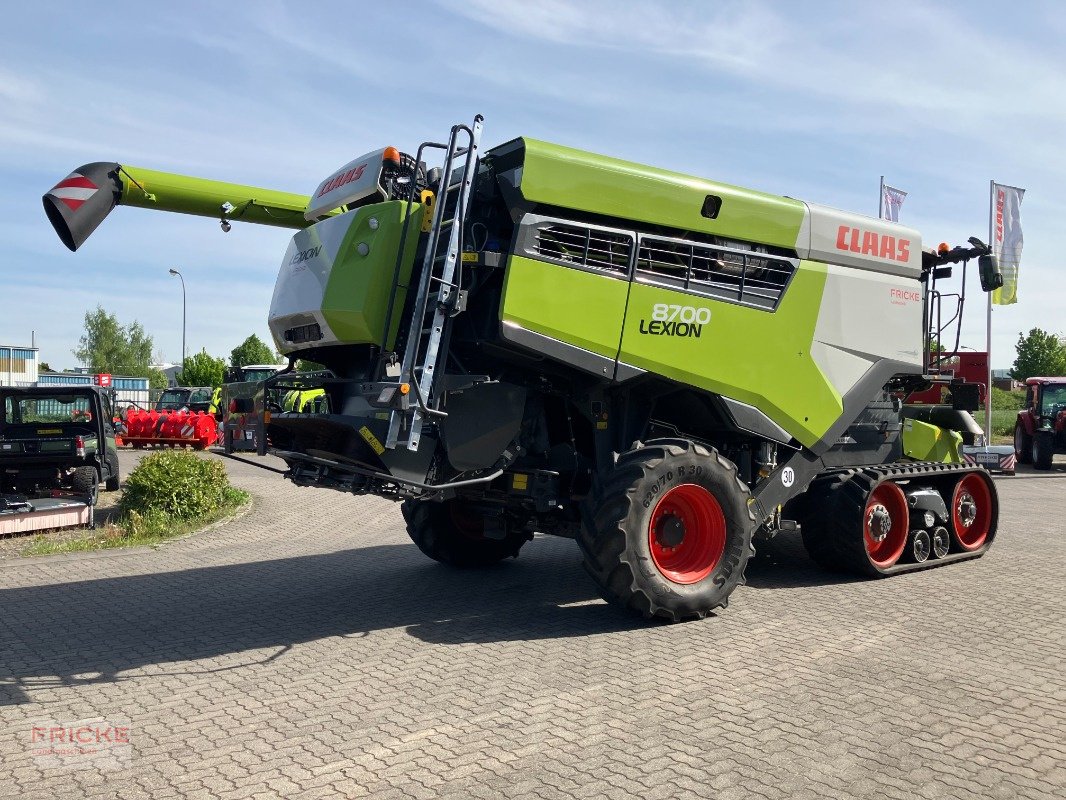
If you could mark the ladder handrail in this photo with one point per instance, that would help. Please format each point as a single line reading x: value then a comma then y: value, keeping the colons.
x: 423, y: 350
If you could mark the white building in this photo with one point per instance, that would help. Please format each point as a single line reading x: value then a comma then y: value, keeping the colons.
x: 18, y: 365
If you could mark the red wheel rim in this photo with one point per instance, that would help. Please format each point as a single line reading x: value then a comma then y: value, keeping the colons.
x: 885, y: 536
x: 686, y: 534
x: 470, y: 525
x: 971, y: 512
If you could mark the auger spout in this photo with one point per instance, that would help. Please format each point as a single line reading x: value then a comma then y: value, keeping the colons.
x: 79, y: 203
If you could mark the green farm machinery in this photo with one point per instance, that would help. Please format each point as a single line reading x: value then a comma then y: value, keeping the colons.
x: 536, y: 339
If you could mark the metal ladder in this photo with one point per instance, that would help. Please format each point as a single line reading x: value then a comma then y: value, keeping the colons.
x: 438, y: 294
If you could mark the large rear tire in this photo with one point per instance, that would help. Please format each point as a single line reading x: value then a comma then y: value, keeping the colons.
x: 86, y: 481
x: 668, y: 531
x: 453, y: 533
x: 1043, y: 449
x: 1023, y: 444
x: 112, y: 483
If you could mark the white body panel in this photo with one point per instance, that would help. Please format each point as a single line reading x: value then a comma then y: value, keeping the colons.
x: 865, y: 318
x: 855, y: 240
x: 356, y: 180
x: 302, y: 279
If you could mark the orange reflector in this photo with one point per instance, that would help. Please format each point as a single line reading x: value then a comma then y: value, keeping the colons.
x: 266, y: 417
x: 405, y: 388
x: 391, y: 154
x: 942, y: 247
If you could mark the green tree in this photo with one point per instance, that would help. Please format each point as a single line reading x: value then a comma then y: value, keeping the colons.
x: 109, y: 346
x: 252, y: 350
x: 1039, y: 353
x: 43, y: 367
x: 157, y: 380
x: 202, y: 370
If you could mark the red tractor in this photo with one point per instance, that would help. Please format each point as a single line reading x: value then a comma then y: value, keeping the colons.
x: 1040, y: 431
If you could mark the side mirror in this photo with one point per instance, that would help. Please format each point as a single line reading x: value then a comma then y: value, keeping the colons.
x: 991, y: 276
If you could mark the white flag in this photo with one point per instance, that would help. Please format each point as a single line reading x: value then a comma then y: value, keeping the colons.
x: 891, y: 202
x: 1007, y: 239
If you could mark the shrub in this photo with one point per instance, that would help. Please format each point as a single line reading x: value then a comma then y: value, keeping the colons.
x: 178, y: 484
x: 1007, y: 401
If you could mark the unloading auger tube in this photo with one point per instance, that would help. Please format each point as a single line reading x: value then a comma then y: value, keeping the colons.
x: 531, y: 338
x: 80, y: 202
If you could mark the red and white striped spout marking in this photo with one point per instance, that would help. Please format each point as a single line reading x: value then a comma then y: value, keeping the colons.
x: 74, y: 190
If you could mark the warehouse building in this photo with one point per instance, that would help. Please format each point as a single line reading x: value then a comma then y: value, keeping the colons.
x: 18, y: 365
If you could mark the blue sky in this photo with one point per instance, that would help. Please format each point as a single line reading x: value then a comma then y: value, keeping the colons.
x: 810, y: 100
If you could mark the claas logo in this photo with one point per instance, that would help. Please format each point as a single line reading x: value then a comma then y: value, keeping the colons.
x: 868, y: 243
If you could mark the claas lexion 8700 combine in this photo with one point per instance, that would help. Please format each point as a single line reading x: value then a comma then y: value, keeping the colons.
x: 532, y: 338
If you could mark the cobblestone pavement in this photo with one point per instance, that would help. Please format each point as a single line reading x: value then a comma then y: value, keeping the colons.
x: 308, y: 650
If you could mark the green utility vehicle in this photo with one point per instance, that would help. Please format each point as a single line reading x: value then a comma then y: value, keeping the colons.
x: 532, y: 338
x: 57, y: 438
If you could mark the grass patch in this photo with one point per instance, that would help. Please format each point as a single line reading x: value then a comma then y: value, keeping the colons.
x: 1002, y: 420
x: 135, y: 529
x: 169, y: 493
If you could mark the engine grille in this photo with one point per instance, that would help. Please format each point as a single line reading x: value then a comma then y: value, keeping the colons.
x: 743, y: 276
x: 583, y: 246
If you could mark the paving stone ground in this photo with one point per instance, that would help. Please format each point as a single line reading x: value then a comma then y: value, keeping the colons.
x: 309, y: 650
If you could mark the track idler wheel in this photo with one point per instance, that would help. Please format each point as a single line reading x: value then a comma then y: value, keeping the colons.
x: 941, y: 540
x: 921, y: 545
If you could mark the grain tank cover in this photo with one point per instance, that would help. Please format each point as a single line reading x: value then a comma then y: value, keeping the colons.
x: 855, y: 240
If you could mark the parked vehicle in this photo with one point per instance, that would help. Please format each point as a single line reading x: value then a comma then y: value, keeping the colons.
x: 1040, y: 431
x: 57, y: 438
x: 539, y: 339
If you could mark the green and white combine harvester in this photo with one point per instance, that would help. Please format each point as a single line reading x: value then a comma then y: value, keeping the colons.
x: 533, y: 338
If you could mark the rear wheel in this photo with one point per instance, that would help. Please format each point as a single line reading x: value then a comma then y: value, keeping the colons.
x: 1023, y: 444
x: 668, y: 531
x: 454, y: 533
x: 112, y: 483
x: 86, y: 481
x: 1043, y: 449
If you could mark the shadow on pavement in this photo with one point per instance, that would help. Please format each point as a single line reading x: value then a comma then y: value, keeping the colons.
x: 92, y: 631
x: 783, y: 563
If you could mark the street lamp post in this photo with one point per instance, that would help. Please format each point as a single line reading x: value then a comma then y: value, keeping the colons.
x: 175, y: 272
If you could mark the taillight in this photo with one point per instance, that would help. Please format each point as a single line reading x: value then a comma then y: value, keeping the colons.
x: 79, y: 446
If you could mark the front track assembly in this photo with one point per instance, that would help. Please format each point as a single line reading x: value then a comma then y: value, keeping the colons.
x: 892, y: 518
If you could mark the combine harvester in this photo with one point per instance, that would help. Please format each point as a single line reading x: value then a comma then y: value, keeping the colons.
x: 533, y: 338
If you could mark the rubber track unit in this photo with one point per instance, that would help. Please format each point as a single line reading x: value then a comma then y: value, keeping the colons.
x: 617, y: 568
x: 832, y: 509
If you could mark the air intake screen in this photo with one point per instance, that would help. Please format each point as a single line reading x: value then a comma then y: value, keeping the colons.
x: 742, y: 276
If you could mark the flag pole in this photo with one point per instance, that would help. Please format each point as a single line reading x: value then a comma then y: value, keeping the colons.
x: 988, y: 321
x: 881, y: 200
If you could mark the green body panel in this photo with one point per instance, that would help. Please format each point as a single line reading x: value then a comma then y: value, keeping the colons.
x: 754, y: 356
x: 925, y: 442
x: 356, y: 295
x: 573, y: 306
x: 569, y: 178
x: 166, y: 191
